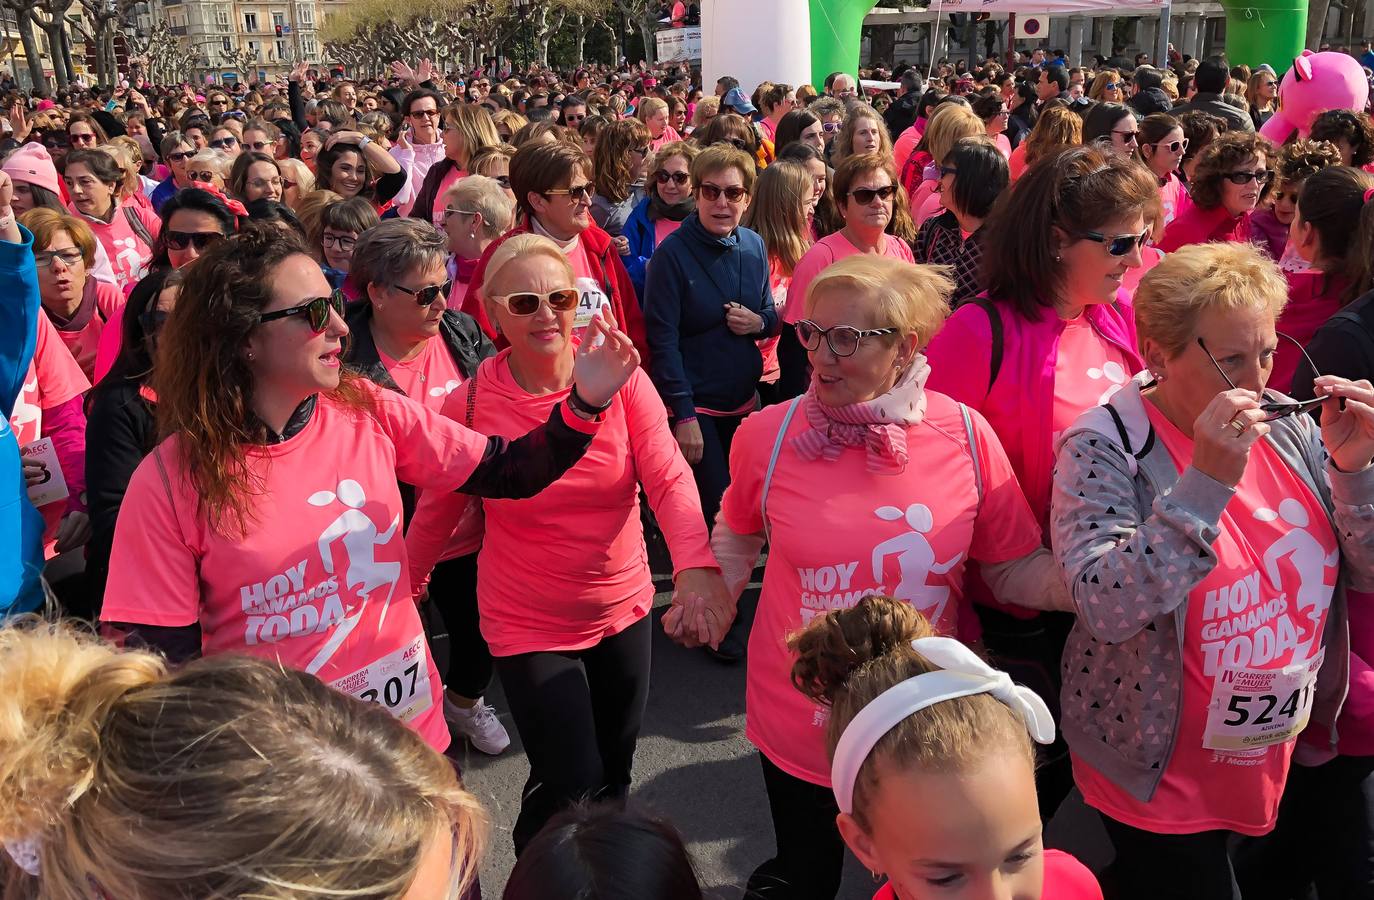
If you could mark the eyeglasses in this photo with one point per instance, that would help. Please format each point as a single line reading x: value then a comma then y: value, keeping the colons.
x: 830, y: 127
x: 1268, y: 83
x: 206, y: 176
x: 574, y: 118
x: 55, y: 143
x: 1290, y: 196
x: 224, y: 143
x: 426, y: 113
x: 1112, y: 86
x: 1128, y: 137
x: 180, y: 240
x: 69, y: 257
x: 678, y: 178
x: 580, y: 194
x: 259, y: 146
x: 711, y: 192
x: 236, y: 114
x: 1262, y: 177
x: 641, y: 151
x: 152, y: 320
x: 842, y: 340
x: 316, y: 310
x: 343, y: 241
x: 503, y: 180
x: 1273, y: 410
x: 1175, y: 146
x: 865, y: 196
x: 450, y: 211
x: 426, y: 295
x: 178, y: 156
x: 1118, y: 245
x: 527, y: 304
x: 81, y: 138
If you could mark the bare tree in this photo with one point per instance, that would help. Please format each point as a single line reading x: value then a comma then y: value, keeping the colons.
x: 23, y: 13
x: 643, y: 14
x: 50, y: 16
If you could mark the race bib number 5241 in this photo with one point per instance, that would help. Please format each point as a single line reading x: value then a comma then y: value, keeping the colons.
x: 1254, y: 708
x: 399, y: 681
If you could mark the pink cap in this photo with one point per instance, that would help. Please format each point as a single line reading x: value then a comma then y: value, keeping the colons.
x: 32, y: 164
x: 45, y: 104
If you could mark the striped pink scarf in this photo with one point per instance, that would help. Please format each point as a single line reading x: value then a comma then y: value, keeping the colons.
x: 879, y: 425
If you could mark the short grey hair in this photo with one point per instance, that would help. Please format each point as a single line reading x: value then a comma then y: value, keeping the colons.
x: 478, y: 193
x: 217, y: 158
x: 388, y: 251
x: 172, y: 140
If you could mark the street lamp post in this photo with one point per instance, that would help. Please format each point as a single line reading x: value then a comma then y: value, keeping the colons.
x: 522, y: 9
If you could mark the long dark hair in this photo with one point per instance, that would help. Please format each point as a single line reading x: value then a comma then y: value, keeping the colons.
x: 195, y: 199
x: 324, y: 165
x: 203, y: 383
x: 790, y: 128
x: 1333, y: 202
x: 585, y: 850
x: 135, y: 360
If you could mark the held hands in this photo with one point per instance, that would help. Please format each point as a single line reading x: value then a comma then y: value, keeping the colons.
x: 602, y: 367
x: 689, y: 440
x: 1347, y: 433
x: 1224, y: 434
x: 74, y: 531
x: 702, y: 609
x: 742, y: 321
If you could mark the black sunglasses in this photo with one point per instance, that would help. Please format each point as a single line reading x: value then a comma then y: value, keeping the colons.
x: 866, y: 196
x: 1273, y: 410
x: 580, y: 194
x: 712, y: 192
x: 675, y: 177
x: 317, y: 310
x: 180, y: 240
x: 1262, y: 178
x: 426, y: 296
x: 1118, y: 245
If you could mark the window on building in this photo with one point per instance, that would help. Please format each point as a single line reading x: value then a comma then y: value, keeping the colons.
x: 278, y: 19
x: 250, y: 22
x: 225, y: 43
x: 281, y: 49
x: 305, y: 15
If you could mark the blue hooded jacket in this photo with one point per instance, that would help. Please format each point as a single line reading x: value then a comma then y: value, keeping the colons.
x: 639, y: 231
x: 694, y: 358
x: 21, y: 527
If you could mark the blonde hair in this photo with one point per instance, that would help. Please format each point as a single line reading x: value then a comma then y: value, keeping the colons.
x: 158, y: 784
x: 951, y: 123
x: 650, y: 106
x: 914, y: 299
x: 1185, y: 284
x: 718, y: 158
x: 847, y: 658
x: 1100, y: 82
x: 520, y: 246
x: 297, y: 171
x: 475, y: 125
x: 844, y: 144
x: 128, y: 180
x: 706, y: 108
x: 778, y: 212
x: 310, y: 211
x: 478, y: 193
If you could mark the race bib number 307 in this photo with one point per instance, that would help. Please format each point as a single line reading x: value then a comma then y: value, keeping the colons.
x: 399, y: 682
x: 1254, y: 708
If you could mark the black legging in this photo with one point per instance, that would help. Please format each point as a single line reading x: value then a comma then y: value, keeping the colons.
x: 810, y: 856
x: 578, y: 714
x: 453, y: 591
x: 712, y: 473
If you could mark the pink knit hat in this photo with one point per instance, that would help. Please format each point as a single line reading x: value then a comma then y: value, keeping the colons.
x: 31, y: 164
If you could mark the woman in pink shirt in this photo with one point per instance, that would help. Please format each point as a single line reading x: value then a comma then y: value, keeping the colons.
x: 78, y: 305
x: 1231, y: 178
x: 1209, y: 530
x: 563, y: 583
x: 653, y: 112
x: 127, y: 233
x: 777, y: 101
x: 1161, y: 144
x: 1052, y: 336
x: 967, y: 755
x: 867, y: 484
x: 992, y: 109
x: 269, y: 522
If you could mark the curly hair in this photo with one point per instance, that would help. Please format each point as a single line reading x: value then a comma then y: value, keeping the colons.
x: 1301, y: 160
x: 1222, y: 156
x: 1346, y: 125
x: 614, y: 159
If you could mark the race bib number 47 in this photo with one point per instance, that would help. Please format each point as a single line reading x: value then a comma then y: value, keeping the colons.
x: 399, y: 682
x: 1254, y: 708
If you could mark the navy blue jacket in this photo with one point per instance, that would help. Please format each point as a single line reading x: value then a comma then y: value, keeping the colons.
x: 694, y: 358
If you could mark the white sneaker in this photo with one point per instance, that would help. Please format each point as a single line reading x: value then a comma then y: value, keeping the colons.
x: 479, y: 725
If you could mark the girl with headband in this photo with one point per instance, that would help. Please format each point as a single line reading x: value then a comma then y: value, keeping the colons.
x: 919, y: 722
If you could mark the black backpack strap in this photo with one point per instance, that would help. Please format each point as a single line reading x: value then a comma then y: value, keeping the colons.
x: 137, y: 226
x: 995, y: 322
x: 1125, y: 438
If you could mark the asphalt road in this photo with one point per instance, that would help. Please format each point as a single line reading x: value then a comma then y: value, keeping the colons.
x: 694, y: 766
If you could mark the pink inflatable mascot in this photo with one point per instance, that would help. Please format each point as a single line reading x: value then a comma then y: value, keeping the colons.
x: 1317, y: 82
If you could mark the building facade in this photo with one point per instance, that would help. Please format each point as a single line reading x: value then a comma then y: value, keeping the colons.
x: 252, y: 40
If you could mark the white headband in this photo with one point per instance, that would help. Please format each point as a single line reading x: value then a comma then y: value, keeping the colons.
x: 961, y: 674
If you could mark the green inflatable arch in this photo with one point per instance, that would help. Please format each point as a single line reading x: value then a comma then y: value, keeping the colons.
x: 1257, y: 31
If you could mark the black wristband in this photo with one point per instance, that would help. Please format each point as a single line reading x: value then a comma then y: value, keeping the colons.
x: 579, y: 405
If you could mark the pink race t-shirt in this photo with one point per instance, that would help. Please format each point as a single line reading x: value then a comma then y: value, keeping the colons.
x: 567, y: 567
x: 827, y: 250
x: 428, y: 379
x: 128, y: 252
x: 319, y: 580
x: 1313, y: 297
x: 768, y: 347
x: 1016, y: 163
x: 593, y: 296
x: 1251, y: 650
x: 1088, y: 369
x: 663, y: 228
x: 904, y: 146
x: 908, y: 536
x: 1171, y: 196
x: 1065, y: 879
x: 451, y: 177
